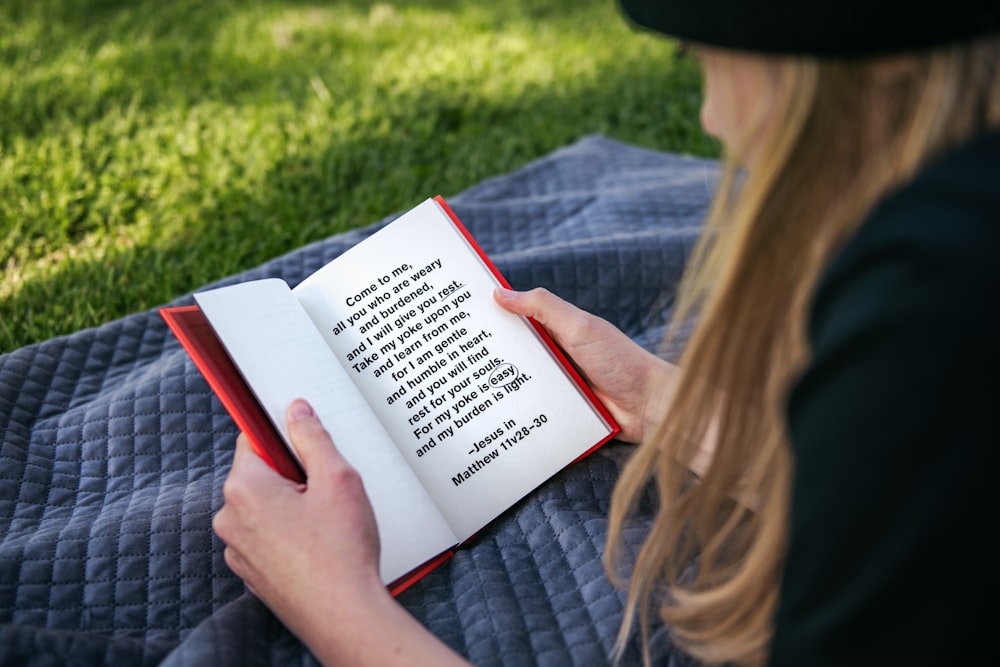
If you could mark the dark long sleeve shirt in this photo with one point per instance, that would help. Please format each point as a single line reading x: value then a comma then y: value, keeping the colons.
x: 895, y: 429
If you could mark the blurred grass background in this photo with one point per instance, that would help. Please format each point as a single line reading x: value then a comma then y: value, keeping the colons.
x: 148, y: 147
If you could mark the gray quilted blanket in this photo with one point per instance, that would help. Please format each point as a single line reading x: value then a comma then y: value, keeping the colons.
x: 114, y: 451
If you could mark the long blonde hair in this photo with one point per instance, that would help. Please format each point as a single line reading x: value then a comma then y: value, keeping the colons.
x: 850, y: 132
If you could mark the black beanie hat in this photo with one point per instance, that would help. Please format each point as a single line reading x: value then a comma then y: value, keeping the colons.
x: 835, y: 28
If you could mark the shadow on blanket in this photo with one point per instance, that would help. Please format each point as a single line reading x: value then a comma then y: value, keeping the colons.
x: 114, y: 452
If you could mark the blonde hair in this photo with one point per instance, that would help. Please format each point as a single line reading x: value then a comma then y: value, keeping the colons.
x: 849, y: 132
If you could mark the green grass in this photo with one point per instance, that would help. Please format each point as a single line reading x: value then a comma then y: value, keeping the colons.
x: 149, y: 147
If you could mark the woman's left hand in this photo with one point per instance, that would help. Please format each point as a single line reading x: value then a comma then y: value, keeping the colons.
x: 311, y: 553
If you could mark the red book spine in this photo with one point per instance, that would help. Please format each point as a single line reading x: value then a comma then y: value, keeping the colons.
x: 199, y: 340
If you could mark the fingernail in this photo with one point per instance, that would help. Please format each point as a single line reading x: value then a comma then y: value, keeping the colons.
x: 300, y: 409
x: 505, y: 293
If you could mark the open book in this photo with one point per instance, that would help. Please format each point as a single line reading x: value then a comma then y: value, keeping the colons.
x: 451, y: 408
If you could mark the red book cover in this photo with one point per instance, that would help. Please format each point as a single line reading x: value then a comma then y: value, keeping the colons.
x: 198, y: 338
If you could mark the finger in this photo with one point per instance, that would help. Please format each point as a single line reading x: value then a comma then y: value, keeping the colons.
x: 240, y: 567
x: 250, y: 482
x: 222, y: 525
x: 560, y: 317
x: 312, y: 441
x: 253, y: 591
x: 227, y: 527
x: 245, y: 456
x: 243, y: 448
x: 247, y: 465
x: 235, y: 561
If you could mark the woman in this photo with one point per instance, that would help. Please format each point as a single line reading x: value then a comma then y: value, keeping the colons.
x: 834, y: 398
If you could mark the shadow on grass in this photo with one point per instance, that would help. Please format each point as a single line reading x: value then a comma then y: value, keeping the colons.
x: 314, y: 195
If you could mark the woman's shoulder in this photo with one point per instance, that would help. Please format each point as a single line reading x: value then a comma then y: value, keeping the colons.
x: 904, y: 320
x: 953, y: 197
x: 954, y: 200
x: 892, y: 429
x: 936, y: 236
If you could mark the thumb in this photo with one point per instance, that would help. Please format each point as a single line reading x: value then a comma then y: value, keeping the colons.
x: 562, y: 319
x: 311, y: 440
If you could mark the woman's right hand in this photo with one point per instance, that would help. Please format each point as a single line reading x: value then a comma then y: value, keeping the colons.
x: 632, y: 383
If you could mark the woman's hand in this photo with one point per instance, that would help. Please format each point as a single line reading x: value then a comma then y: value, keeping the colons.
x: 311, y: 552
x: 632, y: 383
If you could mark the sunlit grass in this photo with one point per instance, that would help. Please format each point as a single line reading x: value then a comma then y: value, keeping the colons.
x: 147, y: 148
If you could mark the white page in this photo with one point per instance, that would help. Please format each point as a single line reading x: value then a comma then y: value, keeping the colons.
x: 282, y: 357
x: 370, y: 312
